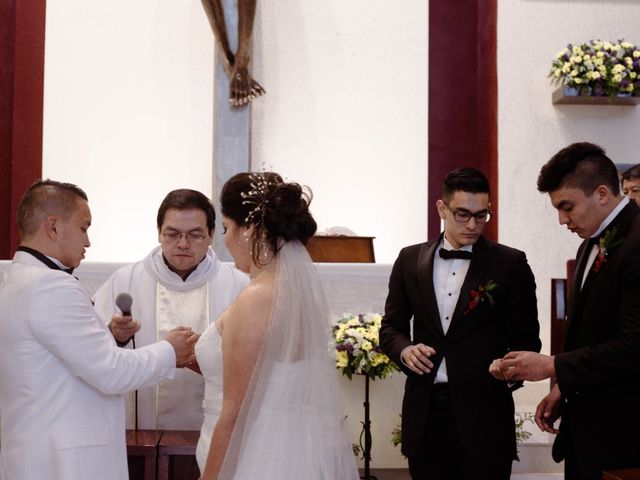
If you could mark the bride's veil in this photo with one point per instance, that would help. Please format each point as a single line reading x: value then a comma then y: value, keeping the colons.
x: 291, y: 423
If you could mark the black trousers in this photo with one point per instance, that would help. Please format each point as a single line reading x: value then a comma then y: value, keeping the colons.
x: 442, y: 456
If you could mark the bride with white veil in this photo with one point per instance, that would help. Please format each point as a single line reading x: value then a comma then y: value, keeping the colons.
x: 281, y: 415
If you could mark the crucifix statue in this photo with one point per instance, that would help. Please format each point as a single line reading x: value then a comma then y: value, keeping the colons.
x: 242, y: 88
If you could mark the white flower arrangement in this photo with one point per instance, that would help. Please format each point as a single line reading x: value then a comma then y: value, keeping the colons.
x: 357, y: 346
x: 598, y: 68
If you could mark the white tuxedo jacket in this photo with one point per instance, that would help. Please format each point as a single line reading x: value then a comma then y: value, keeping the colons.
x: 62, y: 378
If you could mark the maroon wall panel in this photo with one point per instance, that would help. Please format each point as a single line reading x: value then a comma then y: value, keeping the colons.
x: 463, y: 113
x: 22, y: 25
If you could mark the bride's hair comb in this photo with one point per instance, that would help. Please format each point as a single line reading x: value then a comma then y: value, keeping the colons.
x: 258, y: 196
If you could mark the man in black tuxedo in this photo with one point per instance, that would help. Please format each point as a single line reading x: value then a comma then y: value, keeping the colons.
x: 597, y: 389
x: 470, y: 299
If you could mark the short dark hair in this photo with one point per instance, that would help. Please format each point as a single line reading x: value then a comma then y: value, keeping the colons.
x: 464, y: 179
x: 44, y: 198
x: 633, y: 172
x: 186, y: 199
x: 581, y: 165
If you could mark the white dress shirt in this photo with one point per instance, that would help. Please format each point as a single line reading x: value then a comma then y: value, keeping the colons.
x: 448, y: 276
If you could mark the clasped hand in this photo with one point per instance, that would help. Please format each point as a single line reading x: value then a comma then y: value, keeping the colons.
x: 529, y: 366
x: 183, y: 341
x: 532, y: 366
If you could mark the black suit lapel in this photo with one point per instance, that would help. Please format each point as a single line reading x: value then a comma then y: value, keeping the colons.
x: 475, y: 274
x: 581, y: 261
x: 580, y: 291
x: 619, y: 226
x: 575, y: 302
x: 425, y: 280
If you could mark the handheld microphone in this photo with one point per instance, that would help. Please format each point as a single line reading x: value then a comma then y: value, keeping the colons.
x: 124, y: 302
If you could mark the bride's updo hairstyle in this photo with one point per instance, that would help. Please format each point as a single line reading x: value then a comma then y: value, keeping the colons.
x: 277, y: 209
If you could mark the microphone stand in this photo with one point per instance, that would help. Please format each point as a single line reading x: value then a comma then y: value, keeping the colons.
x: 135, y: 394
x: 366, y: 433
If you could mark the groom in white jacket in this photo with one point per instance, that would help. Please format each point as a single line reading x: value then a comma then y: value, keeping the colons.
x: 61, y: 374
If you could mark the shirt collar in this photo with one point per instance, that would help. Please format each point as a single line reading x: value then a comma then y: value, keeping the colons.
x: 47, y: 260
x: 614, y: 213
x: 446, y: 245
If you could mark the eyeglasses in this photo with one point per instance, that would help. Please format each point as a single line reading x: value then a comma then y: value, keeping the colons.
x: 463, y: 216
x: 175, y: 237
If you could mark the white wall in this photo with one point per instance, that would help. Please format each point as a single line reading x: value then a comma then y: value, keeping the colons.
x: 530, y: 33
x: 346, y: 111
x: 128, y: 111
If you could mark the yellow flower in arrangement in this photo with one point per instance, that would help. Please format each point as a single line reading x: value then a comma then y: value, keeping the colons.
x: 357, y: 346
x: 342, y: 359
x: 598, y: 68
x: 378, y: 359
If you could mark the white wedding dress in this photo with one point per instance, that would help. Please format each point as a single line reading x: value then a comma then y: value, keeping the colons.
x: 209, y: 355
x: 291, y: 425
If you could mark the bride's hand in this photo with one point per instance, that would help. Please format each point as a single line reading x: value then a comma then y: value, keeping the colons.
x: 195, y: 367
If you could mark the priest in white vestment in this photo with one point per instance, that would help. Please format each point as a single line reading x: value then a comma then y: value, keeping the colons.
x: 181, y: 282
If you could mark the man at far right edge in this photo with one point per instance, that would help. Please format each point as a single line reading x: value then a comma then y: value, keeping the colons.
x: 597, y: 389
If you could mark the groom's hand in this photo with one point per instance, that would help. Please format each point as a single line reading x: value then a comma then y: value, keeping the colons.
x: 183, y: 341
x: 416, y: 357
x: 123, y: 328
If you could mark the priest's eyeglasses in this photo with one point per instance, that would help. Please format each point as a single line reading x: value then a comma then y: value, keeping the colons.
x: 462, y: 215
x: 175, y: 237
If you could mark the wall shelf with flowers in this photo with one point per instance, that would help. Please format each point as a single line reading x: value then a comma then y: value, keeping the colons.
x: 597, y: 73
x: 569, y: 96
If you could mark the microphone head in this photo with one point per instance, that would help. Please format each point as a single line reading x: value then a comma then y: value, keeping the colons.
x: 124, y: 302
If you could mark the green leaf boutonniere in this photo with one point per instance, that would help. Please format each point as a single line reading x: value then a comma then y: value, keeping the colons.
x: 606, y: 243
x: 483, y: 293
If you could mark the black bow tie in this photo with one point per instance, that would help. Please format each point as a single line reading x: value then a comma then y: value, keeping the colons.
x: 451, y: 254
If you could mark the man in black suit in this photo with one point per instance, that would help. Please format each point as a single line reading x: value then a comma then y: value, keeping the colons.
x: 597, y: 389
x: 470, y: 299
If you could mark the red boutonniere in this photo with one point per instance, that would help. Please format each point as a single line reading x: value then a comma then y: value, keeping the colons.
x: 606, y: 242
x: 483, y: 293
